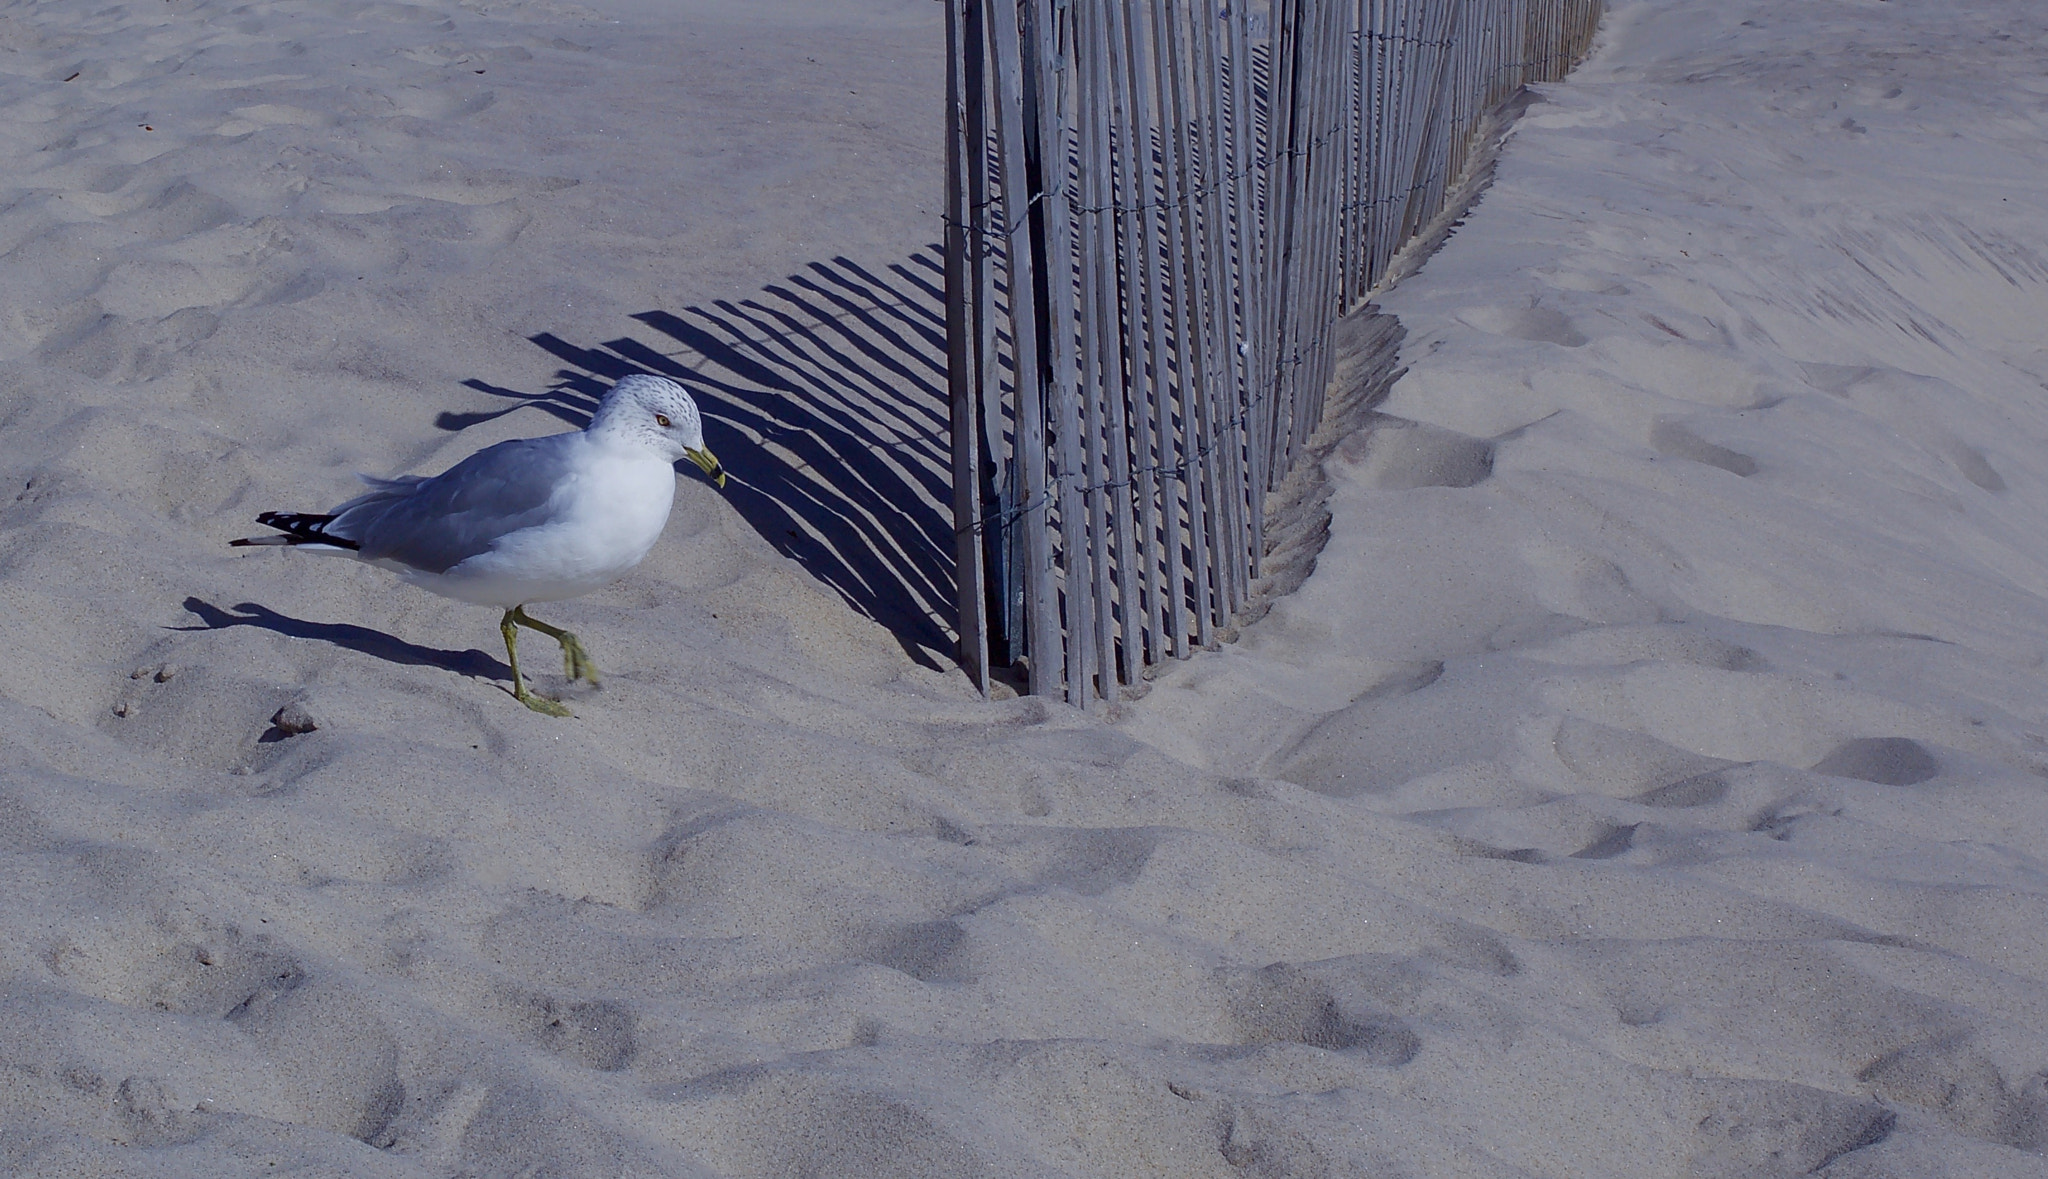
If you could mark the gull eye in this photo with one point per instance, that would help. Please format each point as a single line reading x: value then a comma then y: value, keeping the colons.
x: 661, y: 419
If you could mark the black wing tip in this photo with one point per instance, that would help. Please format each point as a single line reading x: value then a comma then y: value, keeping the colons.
x: 298, y: 528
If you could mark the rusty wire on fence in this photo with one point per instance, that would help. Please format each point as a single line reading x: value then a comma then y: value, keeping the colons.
x: 1157, y: 212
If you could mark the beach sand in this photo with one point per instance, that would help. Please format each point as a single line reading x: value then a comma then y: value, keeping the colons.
x: 1648, y: 780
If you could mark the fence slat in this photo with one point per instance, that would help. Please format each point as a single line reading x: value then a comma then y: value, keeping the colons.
x: 1122, y: 359
x: 1019, y: 146
x: 1083, y: 58
x: 962, y: 306
x: 1139, y: 178
x: 1193, y: 112
x: 1243, y: 344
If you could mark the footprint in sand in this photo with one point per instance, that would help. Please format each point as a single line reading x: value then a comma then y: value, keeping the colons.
x: 1320, y: 1004
x: 596, y: 1034
x: 1395, y: 454
x: 1903, y: 400
x: 1698, y: 790
x: 1674, y: 439
x: 1683, y: 371
x: 1535, y: 323
x: 1966, y: 1089
x: 928, y: 951
x: 1766, y: 1129
x: 211, y: 971
x: 1887, y: 761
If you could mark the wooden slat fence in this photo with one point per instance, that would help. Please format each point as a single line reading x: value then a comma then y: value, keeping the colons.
x: 1158, y: 209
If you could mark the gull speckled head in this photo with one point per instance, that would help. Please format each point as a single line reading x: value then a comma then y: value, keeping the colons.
x: 659, y: 413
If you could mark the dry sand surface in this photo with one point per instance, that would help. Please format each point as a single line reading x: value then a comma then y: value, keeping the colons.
x: 1648, y: 781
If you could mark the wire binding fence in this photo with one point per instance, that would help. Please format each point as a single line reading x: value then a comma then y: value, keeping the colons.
x: 1157, y: 212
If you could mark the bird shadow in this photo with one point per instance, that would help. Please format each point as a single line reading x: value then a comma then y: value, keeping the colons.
x: 362, y: 639
x: 824, y: 397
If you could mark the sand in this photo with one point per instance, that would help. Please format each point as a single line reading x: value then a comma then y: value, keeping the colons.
x: 1647, y: 780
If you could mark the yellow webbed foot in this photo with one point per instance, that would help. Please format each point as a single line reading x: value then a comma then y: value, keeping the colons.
x: 508, y: 627
x: 543, y: 704
x: 576, y: 663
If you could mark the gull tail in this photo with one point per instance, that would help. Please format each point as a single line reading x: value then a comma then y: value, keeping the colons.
x: 296, y: 528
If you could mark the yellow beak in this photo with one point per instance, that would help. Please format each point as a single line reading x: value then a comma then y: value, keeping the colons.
x: 709, y: 465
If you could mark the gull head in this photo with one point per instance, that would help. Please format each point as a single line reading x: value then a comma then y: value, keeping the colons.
x: 657, y: 413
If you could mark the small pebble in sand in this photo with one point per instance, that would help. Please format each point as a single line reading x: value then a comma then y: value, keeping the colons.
x: 294, y: 719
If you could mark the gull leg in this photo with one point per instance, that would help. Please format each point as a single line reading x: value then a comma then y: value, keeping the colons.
x: 575, y: 664
x: 507, y: 628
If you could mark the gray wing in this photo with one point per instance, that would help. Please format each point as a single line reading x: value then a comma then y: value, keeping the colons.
x: 433, y: 524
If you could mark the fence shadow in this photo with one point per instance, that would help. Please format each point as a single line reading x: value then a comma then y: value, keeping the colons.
x: 824, y: 397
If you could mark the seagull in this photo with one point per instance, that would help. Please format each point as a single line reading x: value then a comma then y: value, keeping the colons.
x: 529, y: 520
